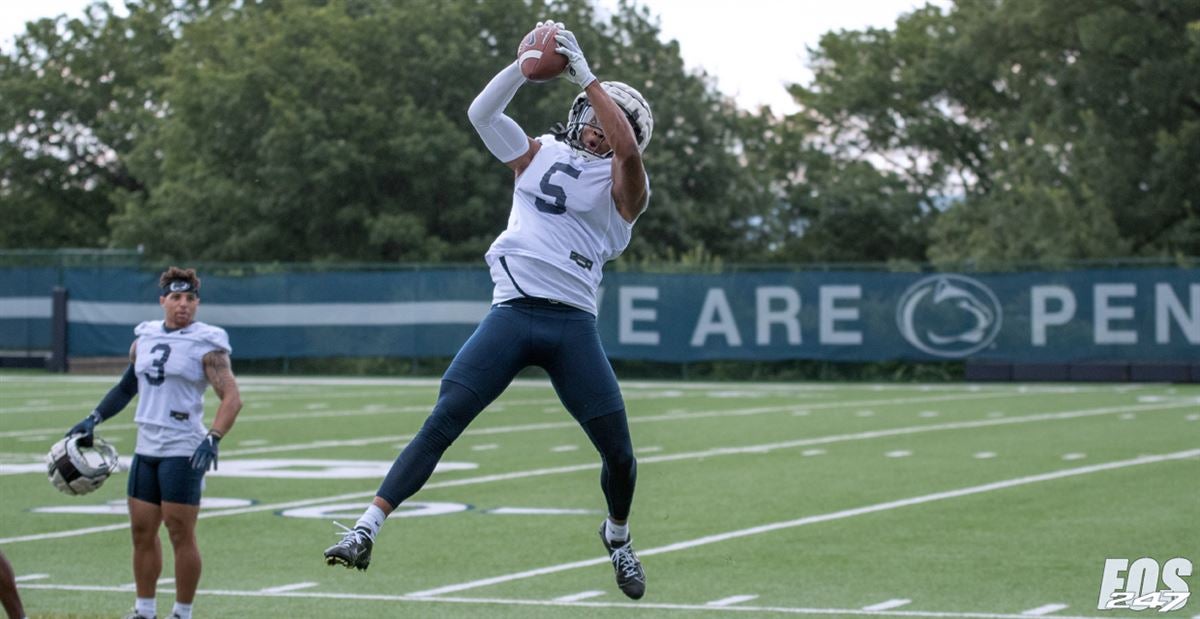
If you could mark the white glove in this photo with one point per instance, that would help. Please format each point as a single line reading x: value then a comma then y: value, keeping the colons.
x: 577, y: 66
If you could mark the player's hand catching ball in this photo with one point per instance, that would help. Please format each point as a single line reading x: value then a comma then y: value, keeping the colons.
x: 577, y: 66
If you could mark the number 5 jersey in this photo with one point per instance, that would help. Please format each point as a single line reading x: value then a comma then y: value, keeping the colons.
x: 562, y: 228
x: 171, y: 384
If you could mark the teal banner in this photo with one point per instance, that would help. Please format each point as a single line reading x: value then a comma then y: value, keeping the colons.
x: 1054, y: 317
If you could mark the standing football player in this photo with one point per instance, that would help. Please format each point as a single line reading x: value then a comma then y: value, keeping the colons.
x: 576, y: 199
x: 172, y: 362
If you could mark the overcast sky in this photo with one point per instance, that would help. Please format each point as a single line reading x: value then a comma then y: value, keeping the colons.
x: 752, y: 47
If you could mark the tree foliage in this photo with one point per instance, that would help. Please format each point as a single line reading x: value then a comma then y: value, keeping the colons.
x: 336, y: 130
x: 1064, y: 129
x: 300, y: 130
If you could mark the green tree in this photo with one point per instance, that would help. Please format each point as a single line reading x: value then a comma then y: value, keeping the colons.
x: 77, y: 95
x: 1066, y: 129
x: 336, y: 130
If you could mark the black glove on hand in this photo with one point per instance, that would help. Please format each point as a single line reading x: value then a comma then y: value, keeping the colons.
x: 206, y: 453
x: 87, y: 428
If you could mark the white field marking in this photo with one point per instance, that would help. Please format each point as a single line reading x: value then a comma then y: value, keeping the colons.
x: 984, y: 455
x: 313, y: 382
x: 1193, y: 417
x: 731, y: 600
x: 564, y: 448
x: 864, y: 414
x: 807, y: 520
x: 1073, y: 456
x: 801, y: 413
x: 555, y: 425
x: 899, y: 453
x: 649, y: 449
x: 254, y: 442
x: 719, y: 451
x: 292, y: 587
x: 1044, y: 610
x: 484, y: 447
x: 812, y: 452
x: 632, y: 606
x: 668, y: 417
x: 928, y: 414
x: 366, y: 411
x: 888, y: 605
x: 29, y: 577
x: 582, y: 595
x: 21, y: 410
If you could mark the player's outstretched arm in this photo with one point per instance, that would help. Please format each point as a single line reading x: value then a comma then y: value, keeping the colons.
x: 500, y: 133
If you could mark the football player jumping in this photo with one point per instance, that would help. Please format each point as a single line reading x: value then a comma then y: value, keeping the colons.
x: 577, y: 196
x: 172, y: 362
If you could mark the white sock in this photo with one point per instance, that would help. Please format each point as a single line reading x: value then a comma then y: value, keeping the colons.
x: 615, y: 532
x: 371, y: 520
x: 146, y: 607
x: 183, y: 610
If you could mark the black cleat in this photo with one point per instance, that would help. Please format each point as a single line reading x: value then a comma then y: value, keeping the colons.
x: 353, y: 551
x: 630, y: 576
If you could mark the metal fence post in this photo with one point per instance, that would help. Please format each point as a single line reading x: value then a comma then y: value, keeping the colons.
x: 58, y: 331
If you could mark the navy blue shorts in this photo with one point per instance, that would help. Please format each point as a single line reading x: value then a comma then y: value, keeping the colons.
x: 560, y: 339
x: 173, y: 480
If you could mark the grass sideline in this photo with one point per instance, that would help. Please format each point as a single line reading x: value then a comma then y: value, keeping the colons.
x: 820, y: 499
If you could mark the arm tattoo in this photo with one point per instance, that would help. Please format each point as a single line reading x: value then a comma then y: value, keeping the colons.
x: 218, y: 371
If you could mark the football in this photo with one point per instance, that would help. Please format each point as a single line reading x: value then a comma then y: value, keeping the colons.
x: 539, y: 62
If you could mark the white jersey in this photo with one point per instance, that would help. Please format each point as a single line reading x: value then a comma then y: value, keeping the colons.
x: 563, y: 227
x: 171, y: 384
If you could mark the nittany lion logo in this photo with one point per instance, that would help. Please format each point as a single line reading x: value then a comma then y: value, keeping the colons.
x: 948, y: 315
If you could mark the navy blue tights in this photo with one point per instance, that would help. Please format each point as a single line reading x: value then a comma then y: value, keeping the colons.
x: 458, y: 406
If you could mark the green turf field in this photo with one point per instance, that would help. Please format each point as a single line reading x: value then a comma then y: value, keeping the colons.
x: 900, y: 500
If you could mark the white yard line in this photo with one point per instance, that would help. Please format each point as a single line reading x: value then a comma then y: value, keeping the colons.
x: 731, y: 600
x: 1043, y: 610
x: 720, y: 451
x: 552, y: 425
x: 888, y: 605
x: 315, y: 381
x: 807, y: 520
x: 286, y: 588
x: 582, y: 595
x: 633, y: 607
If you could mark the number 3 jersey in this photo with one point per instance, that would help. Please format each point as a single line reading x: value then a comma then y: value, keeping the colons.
x: 171, y: 384
x: 563, y: 227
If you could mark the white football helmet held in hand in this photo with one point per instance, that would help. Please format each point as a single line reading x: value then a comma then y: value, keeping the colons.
x: 75, y: 469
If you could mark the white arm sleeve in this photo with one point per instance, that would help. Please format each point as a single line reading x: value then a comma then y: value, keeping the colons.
x: 501, y: 134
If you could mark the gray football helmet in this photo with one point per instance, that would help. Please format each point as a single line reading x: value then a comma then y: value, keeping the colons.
x: 75, y: 469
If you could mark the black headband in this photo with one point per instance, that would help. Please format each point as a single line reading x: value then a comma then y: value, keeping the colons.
x: 177, y: 285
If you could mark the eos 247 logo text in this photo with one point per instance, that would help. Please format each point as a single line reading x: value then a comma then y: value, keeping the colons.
x: 1134, y: 586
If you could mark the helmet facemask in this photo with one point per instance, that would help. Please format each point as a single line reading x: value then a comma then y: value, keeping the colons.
x: 629, y: 100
